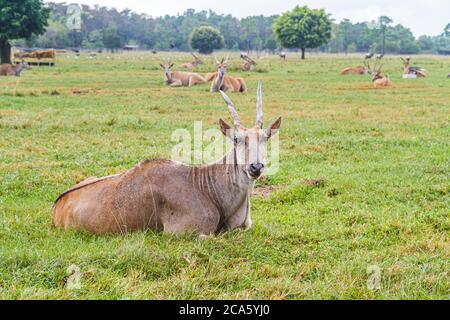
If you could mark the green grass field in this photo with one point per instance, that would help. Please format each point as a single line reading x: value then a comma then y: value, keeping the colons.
x: 383, y: 202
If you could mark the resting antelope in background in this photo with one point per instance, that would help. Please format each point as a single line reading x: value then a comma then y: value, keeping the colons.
x: 379, y: 80
x: 410, y: 70
x: 223, y: 82
x: 192, y: 64
x: 168, y: 196
x: 249, y: 63
x: 357, y: 70
x: 13, y: 70
x: 180, y: 78
x: 282, y: 55
x: 368, y: 55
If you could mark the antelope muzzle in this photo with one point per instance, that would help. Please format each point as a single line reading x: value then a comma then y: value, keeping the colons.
x: 256, y: 170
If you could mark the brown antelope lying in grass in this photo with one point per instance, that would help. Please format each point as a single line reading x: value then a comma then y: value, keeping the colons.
x: 249, y: 64
x: 223, y: 82
x: 180, y: 78
x: 357, y: 70
x: 380, y: 81
x: 172, y: 197
x: 409, y: 70
x: 13, y: 70
x: 192, y: 64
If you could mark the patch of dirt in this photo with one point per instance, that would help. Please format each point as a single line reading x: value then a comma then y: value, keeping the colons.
x: 264, y: 191
x: 81, y: 91
x: 318, y: 182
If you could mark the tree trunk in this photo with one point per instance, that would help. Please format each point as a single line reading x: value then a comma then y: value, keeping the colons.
x: 303, y: 53
x: 5, y: 51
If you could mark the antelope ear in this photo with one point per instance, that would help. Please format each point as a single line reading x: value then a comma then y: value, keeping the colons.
x: 171, y: 65
x: 273, y: 128
x: 226, y: 129
x: 161, y: 65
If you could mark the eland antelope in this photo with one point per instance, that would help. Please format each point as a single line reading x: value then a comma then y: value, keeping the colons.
x: 368, y: 56
x: 412, y: 70
x: 192, y: 64
x: 380, y: 81
x: 180, y: 78
x: 223, y: 82
x: 168, y: 196
x: 357, y: 70
x: 13, y: 70
x: 249, y: 63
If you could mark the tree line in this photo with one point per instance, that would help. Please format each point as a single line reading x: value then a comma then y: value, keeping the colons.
x: 383, y: 36
x: 103, y: 27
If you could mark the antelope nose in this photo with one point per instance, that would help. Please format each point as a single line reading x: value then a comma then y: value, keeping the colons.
x: 255, y: 169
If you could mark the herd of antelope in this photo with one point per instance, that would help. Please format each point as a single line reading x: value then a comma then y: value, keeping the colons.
x: 168, y: 196
x: 172, y: 197
x: 377, y: 78
x: 220, y: 79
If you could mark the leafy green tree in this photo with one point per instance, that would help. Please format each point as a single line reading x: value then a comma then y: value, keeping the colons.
x: 425, y: 43
x: 303, y: 28
x: 55, y: 36
x: 206, y: 40
x: 403, y: 38
x: 111, y: 39
x: 447, y: 30
x: 230, y: 28
x: 442, y: 42
x: 345, y: 33
x: 271, y: 45
x: 95, y: 39
x: 384, y: 22
x: 20, y: 19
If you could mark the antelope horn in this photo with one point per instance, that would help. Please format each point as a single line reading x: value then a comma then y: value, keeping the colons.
x: 247, y: 58
x: 226, y: 60
x: 217, y: 61
x: 231, y: 109
x: 259, y: 106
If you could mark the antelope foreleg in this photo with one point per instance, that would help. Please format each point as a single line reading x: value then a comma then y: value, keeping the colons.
x: 176, y: 83
x: 243, y: 87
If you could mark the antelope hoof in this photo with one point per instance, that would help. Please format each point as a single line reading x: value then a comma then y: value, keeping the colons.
x: 248, y: 224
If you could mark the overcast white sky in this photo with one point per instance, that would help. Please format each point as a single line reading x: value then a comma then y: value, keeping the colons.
x: 421, y: 16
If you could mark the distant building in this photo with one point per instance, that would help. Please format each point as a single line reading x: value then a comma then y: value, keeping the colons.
x: 130, y: 47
